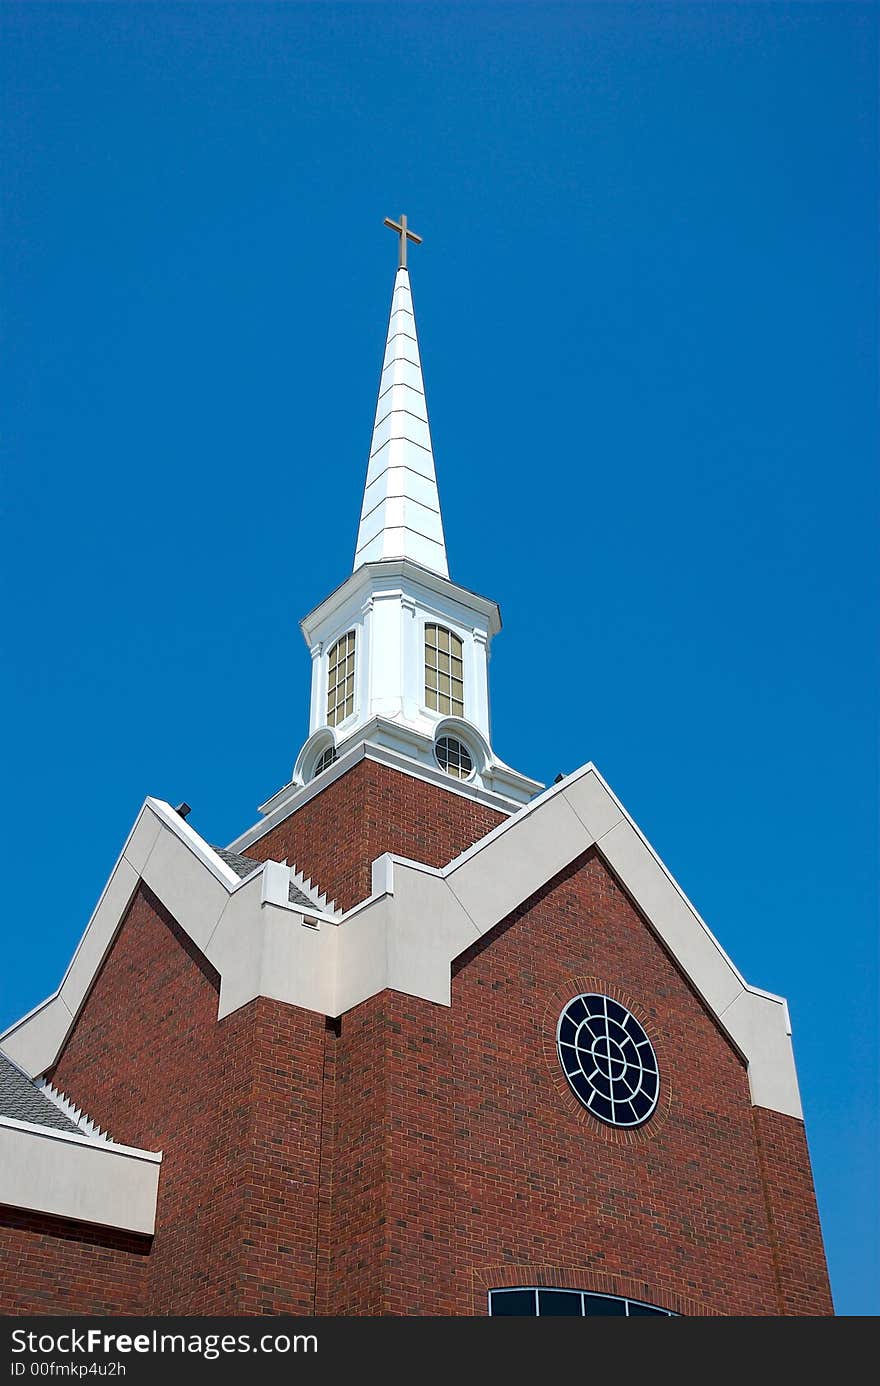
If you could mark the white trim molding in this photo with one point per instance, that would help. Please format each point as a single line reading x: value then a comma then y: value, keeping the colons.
x: 255, y: 938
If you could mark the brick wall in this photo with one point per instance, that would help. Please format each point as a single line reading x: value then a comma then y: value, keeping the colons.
x: 373, y: 809
x: 53, y: 1266
x: 792, y: 1214
x: 356, y: 1168
x: 233, y: 1106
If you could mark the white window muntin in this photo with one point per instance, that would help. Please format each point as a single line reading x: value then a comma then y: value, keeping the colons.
x: 342, y: 657
x: 462, y: 634
x: 454, y: 757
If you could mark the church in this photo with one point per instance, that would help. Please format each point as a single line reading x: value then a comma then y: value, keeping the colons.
x: 427, y: 1038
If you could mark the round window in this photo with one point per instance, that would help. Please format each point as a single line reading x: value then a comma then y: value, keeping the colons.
x: 454, y: 757
x: 608, y: 1060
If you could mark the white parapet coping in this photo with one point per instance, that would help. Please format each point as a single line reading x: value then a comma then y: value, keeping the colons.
x: 411, y: 929
x: 69, y: 1176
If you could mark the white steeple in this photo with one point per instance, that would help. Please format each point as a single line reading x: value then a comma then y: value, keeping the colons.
x: 400, y: 653
x: 400, y: 516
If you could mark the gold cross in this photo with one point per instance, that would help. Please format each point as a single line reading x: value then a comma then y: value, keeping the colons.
x: 405, y: 235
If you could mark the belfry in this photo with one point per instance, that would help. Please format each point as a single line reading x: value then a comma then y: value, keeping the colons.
x: 426, y: 1037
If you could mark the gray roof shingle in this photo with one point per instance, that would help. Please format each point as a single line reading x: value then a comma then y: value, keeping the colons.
x: 21, y: 1099
x: 296, y: 897
x: 243, y: 866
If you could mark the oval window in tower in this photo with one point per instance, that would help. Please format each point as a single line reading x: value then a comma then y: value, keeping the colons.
x: 454, y: 757
x: 608, y: 1060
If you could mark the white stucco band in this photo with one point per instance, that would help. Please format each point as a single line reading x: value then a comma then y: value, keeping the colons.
x: 412, y: 927
x: 70, y: 1176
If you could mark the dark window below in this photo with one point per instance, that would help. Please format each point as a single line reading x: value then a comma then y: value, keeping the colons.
x: 512, y: 1302
x: 547, y: 1303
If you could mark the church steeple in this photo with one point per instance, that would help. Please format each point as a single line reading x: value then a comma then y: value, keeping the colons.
x: 400, y: 653
x: 400, y: 515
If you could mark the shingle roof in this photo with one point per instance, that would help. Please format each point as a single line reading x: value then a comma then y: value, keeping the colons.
x: 21, y: 1099
x: 243, y: 866
x: 296, y: 897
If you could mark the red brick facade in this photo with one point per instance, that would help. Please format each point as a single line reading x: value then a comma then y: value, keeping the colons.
x: 410, y: 1156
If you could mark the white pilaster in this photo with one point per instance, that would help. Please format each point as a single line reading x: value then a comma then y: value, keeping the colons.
x: 316, y: 651
x: 385, y: 655
x: 480, y: 681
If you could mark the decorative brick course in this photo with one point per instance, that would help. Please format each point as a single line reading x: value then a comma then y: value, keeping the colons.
x: 577, y: 1278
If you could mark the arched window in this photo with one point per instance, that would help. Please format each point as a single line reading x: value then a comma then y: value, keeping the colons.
x: 340, y: 680
x: 578, y: 1304
x: 444, y: 671
x: 324, y: 761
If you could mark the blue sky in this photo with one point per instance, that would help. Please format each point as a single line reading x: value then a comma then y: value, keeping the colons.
x: 647, y: 309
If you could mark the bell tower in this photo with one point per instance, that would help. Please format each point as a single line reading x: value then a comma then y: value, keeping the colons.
x: 400, y: 652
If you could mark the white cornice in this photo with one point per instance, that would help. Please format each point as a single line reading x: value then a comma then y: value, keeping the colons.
x: 153, y: 1157
x: 373, y: 576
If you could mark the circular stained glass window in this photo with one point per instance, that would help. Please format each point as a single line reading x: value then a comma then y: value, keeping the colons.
x: 454, y: 757
x: 608, y: 1060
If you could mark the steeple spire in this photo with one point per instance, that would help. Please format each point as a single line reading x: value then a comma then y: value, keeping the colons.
x: 400, y: 516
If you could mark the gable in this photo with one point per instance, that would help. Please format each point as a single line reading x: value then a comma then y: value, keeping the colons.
x: 581, y: 933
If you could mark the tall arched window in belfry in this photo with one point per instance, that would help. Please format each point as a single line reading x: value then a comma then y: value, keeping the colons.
x: 444, y: 671
x: 340, y: 680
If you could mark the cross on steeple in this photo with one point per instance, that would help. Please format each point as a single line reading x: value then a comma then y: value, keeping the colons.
x: 405, y: 235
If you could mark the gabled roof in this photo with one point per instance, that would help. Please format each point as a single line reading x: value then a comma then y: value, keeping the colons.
x: 251, y: 931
